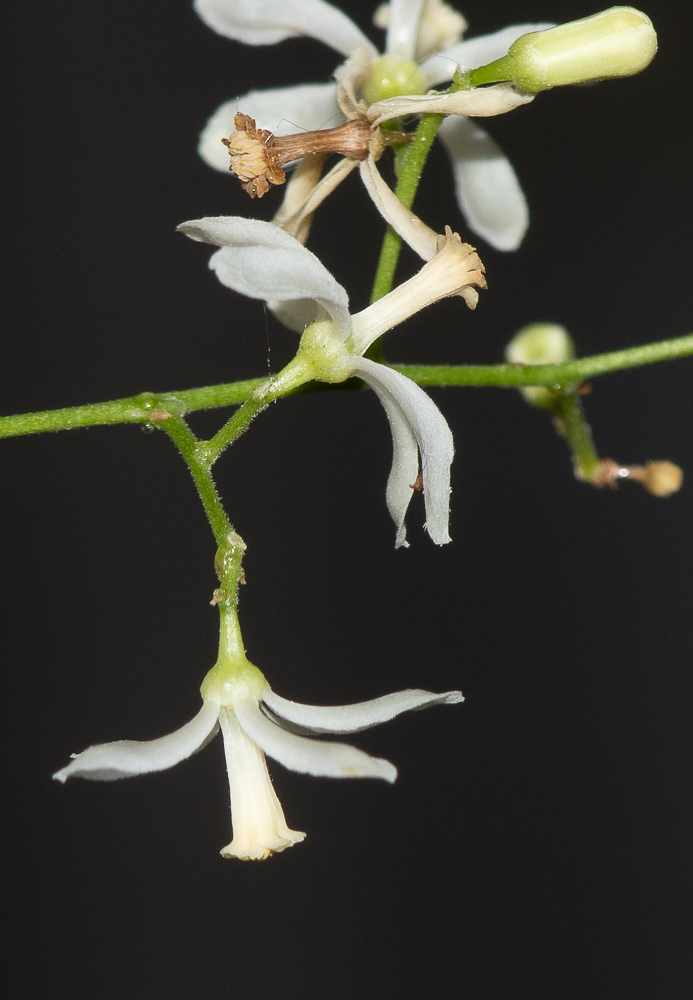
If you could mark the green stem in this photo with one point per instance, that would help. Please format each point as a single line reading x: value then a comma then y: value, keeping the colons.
x: 141, y: 409
x: 560, y: 378
x: 148, y: 407
x: 574, y: 427
x: 230, y: 546
x: 495, y: 72
x: 193, y: 452
x: 407, y: 184
x: 233, y: 428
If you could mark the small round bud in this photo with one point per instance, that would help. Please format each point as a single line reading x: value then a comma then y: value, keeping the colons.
x: 540, y: 344
x: 617, y: 42
x: 661, y: 479
x: 393, y: 76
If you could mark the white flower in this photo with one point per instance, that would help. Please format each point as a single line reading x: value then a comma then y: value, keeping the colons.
x: 255, y: 721
x: 487, y: 189
x: 262, y: 261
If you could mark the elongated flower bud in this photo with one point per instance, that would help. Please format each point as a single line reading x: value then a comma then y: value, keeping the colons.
x: 617, y: 42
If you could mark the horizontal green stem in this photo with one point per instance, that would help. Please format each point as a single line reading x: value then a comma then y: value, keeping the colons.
x: 562, y: 378
x: 148, y: 408
x: 142, y: 409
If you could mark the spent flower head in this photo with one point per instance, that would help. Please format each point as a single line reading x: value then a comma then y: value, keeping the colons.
x: 423, y: 49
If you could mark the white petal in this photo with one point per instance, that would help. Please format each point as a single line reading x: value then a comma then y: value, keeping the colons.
x: 108, y: 761
x: 294, y: 216
x: 403, y: 27
x: 413, y: 231
x: 483, y: 102
x: 351, y: 77
x: 405, y: 462
x: 283, y: 111
x: 259, y: 827
x: 475, y: 52
x: 317, y: 757
x: 266, y: 22
x: 441, y: 27
x: 294, y: 316
x: 423, y: 420
x: 454, y: 270
x: 262, y: 261
x: 488, y: 191
x: 353, y: 718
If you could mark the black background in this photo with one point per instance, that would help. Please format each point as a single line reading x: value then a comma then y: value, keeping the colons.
x: 538, y: 841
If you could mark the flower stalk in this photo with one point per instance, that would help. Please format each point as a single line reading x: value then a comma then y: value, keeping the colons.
x: 572, y: 425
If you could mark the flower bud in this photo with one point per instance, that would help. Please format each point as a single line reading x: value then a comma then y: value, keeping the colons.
x: 540, y: 344
x: 393, y: 76
x: 617, y: 42
x: 661, y: 479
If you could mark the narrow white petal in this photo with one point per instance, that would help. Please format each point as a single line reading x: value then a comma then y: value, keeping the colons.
x: 283, y: 110
x: 405, y: 460
x: 488, y: 191
x: 262, y: 261
x: 266, y: 22
x: 294, y: 215
x: 353, y: 718
x: 351, y: 76
x: 475, y: 52
x: 409, y: 226
x: 403, y: 27
x: 298, y: 753
x: 259, y: 827
x: 484, y: 102
x: 108, y: 761
x: 423, y: 419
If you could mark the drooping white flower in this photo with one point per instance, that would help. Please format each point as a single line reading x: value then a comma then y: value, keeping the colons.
x: 255, y: 721
x: 427, y: 31
x: 262, y: 261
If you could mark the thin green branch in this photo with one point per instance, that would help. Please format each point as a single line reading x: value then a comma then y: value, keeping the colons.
x: 230, y: 546
x: 145, y: 408
x: 573, y: 426
x: 141, y: 409
x: 407, y: 184
x: 193, y: 453
x: 233, y: 428
x: 561, y: 378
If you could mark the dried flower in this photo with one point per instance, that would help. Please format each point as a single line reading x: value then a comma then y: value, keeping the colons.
x: 425, y: 37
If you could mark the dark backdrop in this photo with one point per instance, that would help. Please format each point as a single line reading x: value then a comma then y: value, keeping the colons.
x: 538, y: 841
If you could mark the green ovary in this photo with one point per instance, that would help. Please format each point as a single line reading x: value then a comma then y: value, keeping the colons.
x: 392, y: 76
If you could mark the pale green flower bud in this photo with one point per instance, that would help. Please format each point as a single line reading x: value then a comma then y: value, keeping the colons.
x: 540, y: 344
x: 393, y: 76
x: 617, y: 42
